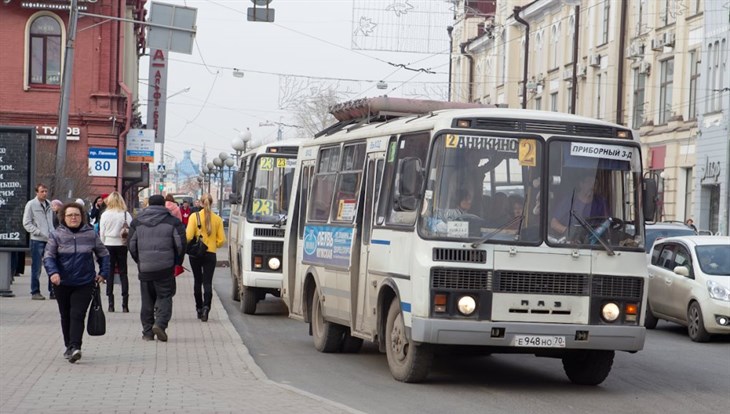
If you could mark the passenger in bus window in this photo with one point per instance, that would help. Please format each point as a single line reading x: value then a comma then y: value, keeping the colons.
x: 462, y: 206
x: 499, y: 212
x: 583, y: 200
x: 516, y: 209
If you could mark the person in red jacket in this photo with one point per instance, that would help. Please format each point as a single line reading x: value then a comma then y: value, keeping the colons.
x: 185, y: 212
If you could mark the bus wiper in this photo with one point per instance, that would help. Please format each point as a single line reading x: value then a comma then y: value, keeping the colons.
x: 280, y: 222
x: 593, y: 233
x: 514, y: 220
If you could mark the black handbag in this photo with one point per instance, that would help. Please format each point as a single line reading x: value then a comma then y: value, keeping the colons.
x: 196, y: 248
x: 96, y: 324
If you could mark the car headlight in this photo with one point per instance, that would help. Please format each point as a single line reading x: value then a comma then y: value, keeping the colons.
x: 274, y: 263
x: 718, y: 291
x: 466, y: 305
x: 610, y: 312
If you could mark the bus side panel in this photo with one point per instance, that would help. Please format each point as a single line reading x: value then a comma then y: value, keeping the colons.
x: 390, y: 255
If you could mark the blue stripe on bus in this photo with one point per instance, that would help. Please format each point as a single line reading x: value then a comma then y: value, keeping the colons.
x: 405, y: 306
x: 385, y: 242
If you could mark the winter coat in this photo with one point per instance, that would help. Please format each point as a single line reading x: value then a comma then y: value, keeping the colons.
x: 110, y: 227
x: 71, y: 255
x: 38, y: 219
x: 173, y: 208
x: 156, y: 242
x: 215, y: 239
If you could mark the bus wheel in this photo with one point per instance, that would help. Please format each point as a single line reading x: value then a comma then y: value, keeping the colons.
x: 588, y: 367
x: 235, y: 291
x: 327, y: 336
x: 407, y: 361
x: 650, y: 321
x: 248, y: 300
x: 351, y: 344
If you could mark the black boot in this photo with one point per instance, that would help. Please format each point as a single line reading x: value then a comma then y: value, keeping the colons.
x: 200, y: 313
x: 125, y: 303
x: 204, y: 316
x: 111, y: 303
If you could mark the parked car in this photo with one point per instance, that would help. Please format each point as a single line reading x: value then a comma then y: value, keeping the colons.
x: 689, y: 284
x: 664, y: 229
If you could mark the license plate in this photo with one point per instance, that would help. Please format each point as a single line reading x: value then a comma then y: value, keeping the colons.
x: 539, y: 341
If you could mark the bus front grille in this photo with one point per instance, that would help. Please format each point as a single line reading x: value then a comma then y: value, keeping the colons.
x: 541, y: 283
x: 617, y: 287
x: 466, y: 279
x: 268, y: 232
x: 459, y: 255
x: 267, y: 247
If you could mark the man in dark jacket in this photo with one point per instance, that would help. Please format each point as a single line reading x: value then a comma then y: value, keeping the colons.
x: 157, y: 243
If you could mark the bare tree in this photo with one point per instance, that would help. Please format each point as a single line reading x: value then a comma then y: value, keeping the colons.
x: 77, y: 179
x: 310, y: 101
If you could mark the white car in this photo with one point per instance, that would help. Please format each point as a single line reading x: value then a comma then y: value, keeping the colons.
x: 689, y: 284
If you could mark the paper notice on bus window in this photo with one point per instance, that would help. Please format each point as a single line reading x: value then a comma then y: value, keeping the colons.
x: 611, y: 152
x: 346, y: 210
x: 457, y: 229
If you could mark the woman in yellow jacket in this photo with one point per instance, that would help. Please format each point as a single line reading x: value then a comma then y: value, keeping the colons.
x: 209, y: 225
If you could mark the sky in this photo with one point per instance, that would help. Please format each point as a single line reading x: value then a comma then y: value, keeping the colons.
x: 309, y: 44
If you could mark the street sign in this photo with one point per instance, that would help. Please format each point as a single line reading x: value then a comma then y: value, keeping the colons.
x: 260, y: 14
x: 141, y: 145
x: 161, y: 168
x: 103, y: 162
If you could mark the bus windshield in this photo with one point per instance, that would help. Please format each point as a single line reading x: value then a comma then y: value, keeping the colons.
x: 483, y: 188
x: 594, y: 191
x: 269, y: 195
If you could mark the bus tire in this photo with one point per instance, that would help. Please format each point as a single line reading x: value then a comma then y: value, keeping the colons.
x: 588, y: 367
x: 328, y: 336
x: 650, y: 321
x: 407, y: 361
x: 248, y: 300
x: 235, y: 291
x: 351, y: 344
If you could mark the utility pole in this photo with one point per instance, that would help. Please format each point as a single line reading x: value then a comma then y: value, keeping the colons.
x: 68, y: 64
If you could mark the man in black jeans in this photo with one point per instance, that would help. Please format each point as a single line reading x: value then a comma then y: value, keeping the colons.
x: 157, y: 243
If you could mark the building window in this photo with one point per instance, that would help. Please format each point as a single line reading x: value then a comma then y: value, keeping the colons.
x: 694, y: 7
x: 605, y: 25
x: 503, y: 58
x: 640, y: 17
x: 569, y: 94
x: 599, y: 85
x: 44, y: 44
x: 554, y: 102
x: 538, y: 50
x: 665, y: 90
x: 694, y: 74
x: 538, y: 103
x: 669, y: 13
x: 716, y: 67
x: 556, y: 46
x: 571, y: 37
x: 639, y: 88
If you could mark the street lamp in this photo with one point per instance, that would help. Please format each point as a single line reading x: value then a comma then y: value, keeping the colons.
x: 209, y: 169
x: 218, y: 163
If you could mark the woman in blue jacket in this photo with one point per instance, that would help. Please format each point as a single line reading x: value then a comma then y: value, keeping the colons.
x: 69, y: 260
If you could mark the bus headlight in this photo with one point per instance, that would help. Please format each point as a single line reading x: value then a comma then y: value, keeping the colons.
x: 467, y: 305
x: 610, y: 312
x: 274, y: 263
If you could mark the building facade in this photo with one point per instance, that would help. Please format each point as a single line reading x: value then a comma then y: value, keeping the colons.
x: 103, y: 88
x: 639, y: 63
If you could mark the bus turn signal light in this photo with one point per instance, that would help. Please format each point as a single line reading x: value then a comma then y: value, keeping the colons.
x: 439, y: 302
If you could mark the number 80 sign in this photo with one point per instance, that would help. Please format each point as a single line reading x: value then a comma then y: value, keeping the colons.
x: 103, y: 162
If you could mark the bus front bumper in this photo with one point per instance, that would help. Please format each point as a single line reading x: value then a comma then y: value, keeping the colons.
x: 511, y: 334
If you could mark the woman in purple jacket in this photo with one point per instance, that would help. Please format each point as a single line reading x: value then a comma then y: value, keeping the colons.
x: 69, y: 260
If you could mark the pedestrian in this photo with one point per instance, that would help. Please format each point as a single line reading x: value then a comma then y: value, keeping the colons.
x: 55, y: 206
x: 185, y: 212
x: 157, y: 243
x: 114, y: 230
x: 97, y: 207
x: 691, y: 223
x: 38, y: 221
x: 209, y: 225
x: 69, y: 259
x: 196, y: 206
x: 172, y: 206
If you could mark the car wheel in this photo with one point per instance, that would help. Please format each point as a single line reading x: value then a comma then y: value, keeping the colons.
x: 650, y: 320
x: 407, y: 361
x: 588, y: 367
x: 328, y: 336
x: 248, y: 300
x: 695, y: 324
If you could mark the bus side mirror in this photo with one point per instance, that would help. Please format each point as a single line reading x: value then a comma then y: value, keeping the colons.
x: 409, y: 183
x: 650, y: 199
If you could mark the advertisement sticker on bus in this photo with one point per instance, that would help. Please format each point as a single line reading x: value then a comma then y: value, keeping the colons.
x: 327, y: 245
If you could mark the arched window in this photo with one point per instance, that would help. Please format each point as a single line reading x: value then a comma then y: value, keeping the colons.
x: 44, y: 51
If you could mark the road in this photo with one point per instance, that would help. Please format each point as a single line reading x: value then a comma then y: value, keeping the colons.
x: 671, y: 375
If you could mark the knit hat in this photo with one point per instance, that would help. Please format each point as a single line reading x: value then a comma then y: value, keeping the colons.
x: 104, y: 196
x: 80, y: 202
x: 156, y: 200
x: 56, y: 203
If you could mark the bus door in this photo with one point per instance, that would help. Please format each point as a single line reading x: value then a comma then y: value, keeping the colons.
x: 361, y: 304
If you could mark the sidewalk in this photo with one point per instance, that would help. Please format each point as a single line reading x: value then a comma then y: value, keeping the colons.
x: 204, y: 366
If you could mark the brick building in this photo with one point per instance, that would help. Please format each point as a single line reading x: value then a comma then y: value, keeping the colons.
x: 103, y: 91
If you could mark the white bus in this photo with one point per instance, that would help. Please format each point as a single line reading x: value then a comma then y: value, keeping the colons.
x: 256, y: 232
x: 518, y: 231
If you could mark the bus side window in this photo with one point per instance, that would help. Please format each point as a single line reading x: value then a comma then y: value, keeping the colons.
x: 408, y: 146
x: 323, y: 184
x: 347, y: 189
x: 304, y: 197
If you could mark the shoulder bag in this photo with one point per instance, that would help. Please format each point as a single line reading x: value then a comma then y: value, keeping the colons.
x: 196, y: 247
x: 96, y: 324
